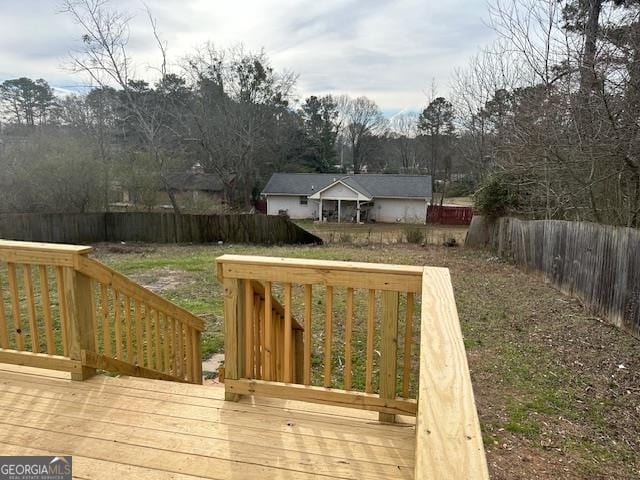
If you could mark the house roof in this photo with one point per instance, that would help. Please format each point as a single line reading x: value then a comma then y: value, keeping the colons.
x: 372, y: 185
x: 196, y: 181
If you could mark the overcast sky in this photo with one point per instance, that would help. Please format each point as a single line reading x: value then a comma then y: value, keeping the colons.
x: 390, y: 51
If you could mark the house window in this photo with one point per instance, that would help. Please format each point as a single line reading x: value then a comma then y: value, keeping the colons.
x: 304, y: 200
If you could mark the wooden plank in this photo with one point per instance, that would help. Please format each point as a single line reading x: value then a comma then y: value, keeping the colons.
x: 46, y: 309
x: 288, y: 337
x: 398, y: 280
x: 166, y: 344
x: 249, y: 331
x: 327, y: 396
x: 40, y: 360
x: 106, y: 328
x: 15, y: 306
x: 389, y: 350
x: 111, y: 364
x: 448, y: 437
x: 43, y: 247
x: 95, y: 292
x: 231, y: 367
x: 4, y: 337
x: 197, y: 356
x: 189, y: 353
x: 268, y: 362
x: 371, y: 330
x: 77, y: 293
x: 259, y: 339
x: 328, y: 335
x: 348, y: 339
x: 31, y: 308
x: 63, y: 310
x: 174, y: 348
x: 308, y: 310
x: 408, y: 343
x: 117, y: 322
x: 336, y: 273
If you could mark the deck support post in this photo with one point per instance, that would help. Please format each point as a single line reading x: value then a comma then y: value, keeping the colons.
x: 389, y: 351
x: 358, y: 212
x: 234, y: 319
x: 78, y: 292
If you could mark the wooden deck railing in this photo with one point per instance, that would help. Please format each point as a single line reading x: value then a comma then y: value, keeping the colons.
x: 357, y: 346
x: 267, y: 352
x: 70, y: 312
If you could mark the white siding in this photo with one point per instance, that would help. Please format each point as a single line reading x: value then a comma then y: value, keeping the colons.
x: 339, y: 191
x: 292, y: 205
x: 392, y: 210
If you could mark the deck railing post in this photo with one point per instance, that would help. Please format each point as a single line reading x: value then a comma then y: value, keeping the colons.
x: 389, y: 351
x: 77, y: 292
x: 233, y: 328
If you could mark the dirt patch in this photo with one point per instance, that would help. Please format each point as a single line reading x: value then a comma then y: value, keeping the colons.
x: 160, y: 280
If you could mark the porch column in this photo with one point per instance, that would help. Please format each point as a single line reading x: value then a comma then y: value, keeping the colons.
x: 338, y: 210
x: 320, y: 208
x: 358, y: 211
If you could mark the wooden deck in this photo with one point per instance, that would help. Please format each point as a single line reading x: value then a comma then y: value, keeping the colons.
x: 138, y: 428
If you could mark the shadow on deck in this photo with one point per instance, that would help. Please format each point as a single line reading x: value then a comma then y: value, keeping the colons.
x: 125, y: 427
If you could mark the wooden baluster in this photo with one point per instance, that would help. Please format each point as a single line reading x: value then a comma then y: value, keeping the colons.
x: 389, y: 350
x: 308, y: 299
x: 148, y: 336
x: 288, y: 338
x: 328, y: 335
x: 127, y: 328
x: 156, y: 336
x: 94, y: 292
x: 106, y: 330
x: 166, y: 343
x: 197, y: 356
x: 276, y: 348
x: 268, y: 334
x: 46, y: 309
x: 15, y: 306
x: 263, y: 348
x: 174, y: 347
x: 117, y: 322
x: 258, y: 336
x: 348, y: 334
x: 179, y: 350
x: 62, y: 311
x: 298, y: 342
x: 249, y: 331
x: 31, y: 308
x: 4, y: 337
x: 371, y: 325
x: 189, y: 353
x: 139, y: 344
x: 408, y: 343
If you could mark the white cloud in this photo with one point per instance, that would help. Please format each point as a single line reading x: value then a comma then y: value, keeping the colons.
x: 388, y: 50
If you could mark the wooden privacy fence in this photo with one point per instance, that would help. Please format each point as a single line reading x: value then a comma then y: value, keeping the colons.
x: 151, y: 227
x: 449, y: 215
x: 62, y: 310
x: 599, y: 264
x: 347, y: 334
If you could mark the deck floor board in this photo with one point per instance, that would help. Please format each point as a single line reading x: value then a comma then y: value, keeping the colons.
x: 131, y: 428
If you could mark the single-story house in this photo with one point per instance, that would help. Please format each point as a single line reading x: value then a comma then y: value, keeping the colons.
x: 336, y: 197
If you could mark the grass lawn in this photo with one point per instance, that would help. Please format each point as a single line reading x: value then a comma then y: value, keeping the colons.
x: 557, y: 391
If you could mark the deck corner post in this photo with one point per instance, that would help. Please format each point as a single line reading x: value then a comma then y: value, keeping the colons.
x: 389, y: 354
x: 77, y: 291
x: 233, y: 320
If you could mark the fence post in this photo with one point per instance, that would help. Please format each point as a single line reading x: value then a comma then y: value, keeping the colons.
x: 77, y: 292
x: 389, y: 349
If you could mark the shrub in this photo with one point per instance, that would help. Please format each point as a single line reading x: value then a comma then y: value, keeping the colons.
x: 414, y: 235
x: 495, y: 197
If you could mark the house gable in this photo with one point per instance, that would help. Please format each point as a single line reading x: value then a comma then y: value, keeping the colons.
x: 339, y: 190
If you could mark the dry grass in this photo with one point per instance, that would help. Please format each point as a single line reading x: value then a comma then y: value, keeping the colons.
x: 557, y: 391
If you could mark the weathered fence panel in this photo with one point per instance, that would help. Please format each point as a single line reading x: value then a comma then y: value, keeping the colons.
x: 599, y: 264
x: 449, y: 215
x: 152, y: 227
